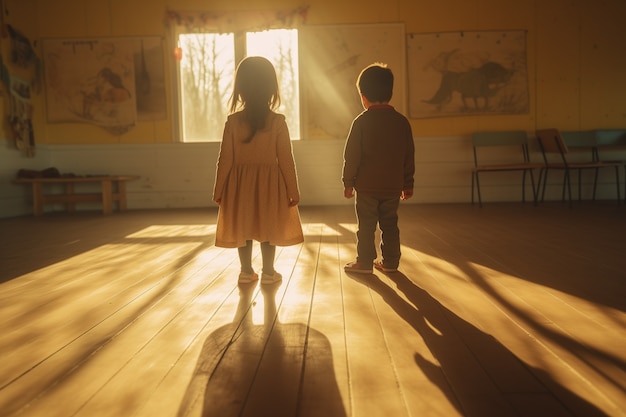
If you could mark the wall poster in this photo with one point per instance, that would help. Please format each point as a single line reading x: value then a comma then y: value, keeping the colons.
x: 107, y: 82
x: 21, y: 115
x: 467, y: 73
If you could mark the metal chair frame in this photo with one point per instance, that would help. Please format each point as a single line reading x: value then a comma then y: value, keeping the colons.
x: 551, y: 142
x: 501, y: 139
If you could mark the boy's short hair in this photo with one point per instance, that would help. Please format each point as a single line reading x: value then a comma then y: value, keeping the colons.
x: 375, y: 82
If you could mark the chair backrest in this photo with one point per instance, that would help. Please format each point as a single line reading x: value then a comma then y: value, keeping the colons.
x: 551, y: 141
x: 502, y: 138
x: 517, y: 138
x: 610, y: 137
x: 579, y: 139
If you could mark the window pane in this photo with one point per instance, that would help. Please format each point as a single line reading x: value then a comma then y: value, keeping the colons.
x: 280, y: 46
x: 206, y: 73
x: 206, y: 76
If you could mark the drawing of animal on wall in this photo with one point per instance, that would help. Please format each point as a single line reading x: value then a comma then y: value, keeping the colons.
x: 475, y: 86
x: 468, y: 74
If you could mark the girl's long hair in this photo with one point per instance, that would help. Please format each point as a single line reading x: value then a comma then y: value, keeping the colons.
x: 255, y: 91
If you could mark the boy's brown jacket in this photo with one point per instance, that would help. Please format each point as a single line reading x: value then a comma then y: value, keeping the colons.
x: 379, y: 153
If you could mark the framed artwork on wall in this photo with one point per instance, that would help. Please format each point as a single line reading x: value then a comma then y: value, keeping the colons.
x: 467, y: 73
x: 108, y: 82
x: 21, y: 115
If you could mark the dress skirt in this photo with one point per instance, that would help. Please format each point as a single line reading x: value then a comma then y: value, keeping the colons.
x: 255, y: 206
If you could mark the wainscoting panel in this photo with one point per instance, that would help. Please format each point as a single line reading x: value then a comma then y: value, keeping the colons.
x: 182, y: 175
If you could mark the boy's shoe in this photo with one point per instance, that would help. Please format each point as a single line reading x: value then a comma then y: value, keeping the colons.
x: 357, y: 268
x: 271, y: 279
x: 381, y: 267
x: 247, y: 277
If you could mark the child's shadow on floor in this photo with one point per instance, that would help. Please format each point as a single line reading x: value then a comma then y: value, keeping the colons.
x: 471, y: 362
x: 257, y: 369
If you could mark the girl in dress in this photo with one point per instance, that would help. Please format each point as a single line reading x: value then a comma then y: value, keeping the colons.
x: 256, y: 185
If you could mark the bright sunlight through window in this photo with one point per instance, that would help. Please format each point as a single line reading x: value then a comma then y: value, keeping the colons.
x: 206, y: 73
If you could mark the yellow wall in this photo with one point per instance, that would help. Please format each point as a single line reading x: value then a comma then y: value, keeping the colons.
x: 576, y: 52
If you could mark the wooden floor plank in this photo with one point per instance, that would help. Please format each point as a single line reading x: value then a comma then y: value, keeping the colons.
x: 369, y: 361
x: 181, y: 388
x: 325, y: 385
x: 285, y: 313
x: 506, y: 310
x: 407, y: 325
x: 111, y: 356
x: 159, y: 339
x: 535, y: 314
x: 63, y: 308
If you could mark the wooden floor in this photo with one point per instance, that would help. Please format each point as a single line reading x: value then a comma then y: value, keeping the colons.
x: 508, y: 310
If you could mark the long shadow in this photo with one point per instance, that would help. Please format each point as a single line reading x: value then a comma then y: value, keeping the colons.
x: 493, y: 235
x: 538, y: 264
x: 263, y: 369
x: 60, y: 231
x: 584, y: 351
x: 480, y: 376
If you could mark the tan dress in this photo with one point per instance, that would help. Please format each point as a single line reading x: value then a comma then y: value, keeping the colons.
x: 255, y: 182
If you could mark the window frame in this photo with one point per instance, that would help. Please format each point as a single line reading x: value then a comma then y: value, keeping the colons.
x: 240, y: 52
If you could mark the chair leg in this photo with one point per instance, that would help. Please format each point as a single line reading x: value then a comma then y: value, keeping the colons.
x: 532, y: 182
x: 523, y: 186
x: 619, y: 199
x: 473, y: 174
x: 595, y: 184
x: 480, y: 199
x: 569, y: 186
x: 580, y: 192
x: 545, y: 181
x: 624, y: 183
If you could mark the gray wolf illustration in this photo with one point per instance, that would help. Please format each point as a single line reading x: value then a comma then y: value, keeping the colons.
x: 477, y: 85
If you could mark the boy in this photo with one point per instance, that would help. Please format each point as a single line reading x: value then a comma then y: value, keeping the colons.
x: 379, y: 164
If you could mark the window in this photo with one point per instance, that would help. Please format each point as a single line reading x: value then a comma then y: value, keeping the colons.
x: 206, y: 74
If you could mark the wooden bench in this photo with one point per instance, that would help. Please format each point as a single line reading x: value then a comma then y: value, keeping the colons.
x: 113, y: 188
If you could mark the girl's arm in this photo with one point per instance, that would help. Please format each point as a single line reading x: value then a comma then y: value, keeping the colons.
x: 286, y: 162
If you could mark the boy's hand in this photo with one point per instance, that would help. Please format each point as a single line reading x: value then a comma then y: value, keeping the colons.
x: 348, y: 192
x: 406, y: 194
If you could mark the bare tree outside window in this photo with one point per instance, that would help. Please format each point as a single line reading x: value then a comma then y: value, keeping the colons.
x: 280, y: 46
x: 206, y: 75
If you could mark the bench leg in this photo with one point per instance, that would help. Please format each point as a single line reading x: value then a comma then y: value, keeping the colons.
x: 107, y: 197
x: 37, y: 199
x: 70, y: 207
x: 121, y: 189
